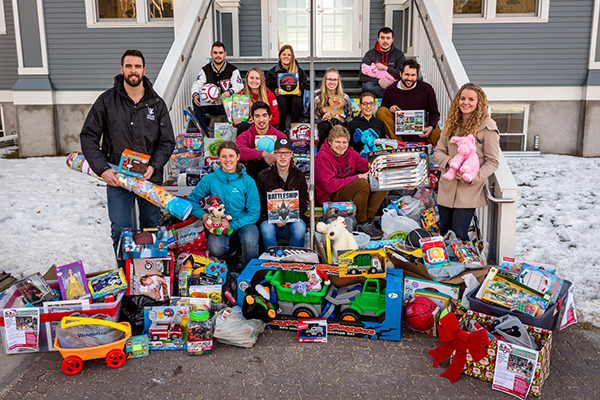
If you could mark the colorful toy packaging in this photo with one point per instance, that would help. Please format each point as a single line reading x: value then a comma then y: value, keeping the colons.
x: 312, y: 330
x: 466, y: 255
x: 367, y: 263
x: 166, y: 327
x: 133, y: 163
x: 107, y: 283
x: 152, y: 277
x: 137, y: 346
x: 144, y: 244
x: 430, y: 219
x: 434, y: 251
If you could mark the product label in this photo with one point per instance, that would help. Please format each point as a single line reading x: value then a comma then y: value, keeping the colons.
x: 200, y: 346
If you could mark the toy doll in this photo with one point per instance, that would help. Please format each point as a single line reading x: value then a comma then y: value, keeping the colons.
x: 75, y: 289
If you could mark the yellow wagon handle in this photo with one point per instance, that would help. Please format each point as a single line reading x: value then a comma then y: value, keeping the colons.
x: 68, y: 322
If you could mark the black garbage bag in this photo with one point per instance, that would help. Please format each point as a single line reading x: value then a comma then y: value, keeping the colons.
x: 132, y: 309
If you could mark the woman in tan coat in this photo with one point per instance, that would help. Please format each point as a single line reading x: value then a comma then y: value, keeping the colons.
x: 457, y: 199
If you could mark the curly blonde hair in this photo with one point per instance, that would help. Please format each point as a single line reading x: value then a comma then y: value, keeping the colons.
x: 339, y: 90
x: 454, y: 121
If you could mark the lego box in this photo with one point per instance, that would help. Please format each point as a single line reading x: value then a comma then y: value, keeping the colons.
x: 368, y: 308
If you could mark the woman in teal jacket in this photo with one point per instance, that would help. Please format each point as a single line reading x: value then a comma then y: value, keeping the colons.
x: 239, y: 195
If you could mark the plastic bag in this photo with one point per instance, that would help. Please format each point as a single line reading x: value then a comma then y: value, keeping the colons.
x: 81, y: 336
x: 132, y: 309
x: 232, y: 328
x: 513, y: 331
x: 392, y: 224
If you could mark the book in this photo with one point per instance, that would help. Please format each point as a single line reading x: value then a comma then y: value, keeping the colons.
x: 410, y: 122
x: 237, y: 105
x: 21, y: 330
x: 288, y: 83
x: 283, y: 206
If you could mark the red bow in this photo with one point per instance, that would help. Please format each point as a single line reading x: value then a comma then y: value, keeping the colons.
x: 453, y: 338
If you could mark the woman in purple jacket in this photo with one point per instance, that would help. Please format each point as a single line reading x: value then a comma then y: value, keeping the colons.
x: 343, y: 177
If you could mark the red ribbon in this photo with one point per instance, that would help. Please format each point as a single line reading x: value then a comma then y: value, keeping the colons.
x: 455, y: 339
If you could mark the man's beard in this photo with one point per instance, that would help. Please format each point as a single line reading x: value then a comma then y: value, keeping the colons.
x: 133, y: 84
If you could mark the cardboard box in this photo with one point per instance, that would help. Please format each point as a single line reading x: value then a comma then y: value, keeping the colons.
x: 132, y: 247
x: 484, y: 369
x: 383, y: 324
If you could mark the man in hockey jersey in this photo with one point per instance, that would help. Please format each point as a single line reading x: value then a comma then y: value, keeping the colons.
x: 218, y: 72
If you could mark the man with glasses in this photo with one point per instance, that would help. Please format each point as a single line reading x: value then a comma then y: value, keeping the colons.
x: 280, y: 177
x: 366, y: 120
x: 256, y: 159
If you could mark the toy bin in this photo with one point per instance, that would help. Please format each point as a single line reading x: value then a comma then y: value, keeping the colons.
x: 550, y: 319
x: 282, y: 281
x: 50, y: 318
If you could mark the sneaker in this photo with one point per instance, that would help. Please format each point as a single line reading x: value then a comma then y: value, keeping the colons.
x: 370, y: 229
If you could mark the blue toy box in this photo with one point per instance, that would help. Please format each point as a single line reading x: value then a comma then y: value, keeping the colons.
x: 364, y: 308
x: 132, y: 247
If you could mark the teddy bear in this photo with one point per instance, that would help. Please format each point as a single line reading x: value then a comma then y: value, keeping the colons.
x: 367, y: 137
x: 315, y: 278
x: 466, y: 160
x: 216, y: 217
x: 257, y: 304
x: 374, y: 72
x: 340, y: 237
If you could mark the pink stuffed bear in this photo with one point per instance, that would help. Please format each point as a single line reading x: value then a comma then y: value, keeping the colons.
x: 466, y: 160
x: 374, y: 72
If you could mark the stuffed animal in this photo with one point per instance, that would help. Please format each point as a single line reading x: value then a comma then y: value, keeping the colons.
x: 374, y: 72
x: 216, y: 217
x: 367, y: 137
x: 257, y: 306
x: 335, y: 107
x: 466, y: 160
x: 340, y: 237
x: 315, y: 278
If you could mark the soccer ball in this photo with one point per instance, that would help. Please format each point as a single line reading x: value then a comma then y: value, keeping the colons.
x: 209, y: 93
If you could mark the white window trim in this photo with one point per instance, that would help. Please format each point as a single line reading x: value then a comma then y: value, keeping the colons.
x: 2, y: 19
x: 525, y: 120
x: 593, y: 64
x: 142, y: 20
x: 3, y: 130
x: 21, y: 70
x: 489, y: 15
x: 231, y: 7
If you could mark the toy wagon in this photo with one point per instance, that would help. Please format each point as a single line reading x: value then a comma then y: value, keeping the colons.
x: 112, y: 352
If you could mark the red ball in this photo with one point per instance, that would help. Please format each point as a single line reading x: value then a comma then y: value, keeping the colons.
x: 418, y: 313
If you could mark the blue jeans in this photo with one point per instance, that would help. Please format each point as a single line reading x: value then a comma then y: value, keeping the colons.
x: 120, y: 203
x: 294, y: 232
x: 247, y: 236
x: 374, y: 88
x: 457, y: 220
x: 200, y: 113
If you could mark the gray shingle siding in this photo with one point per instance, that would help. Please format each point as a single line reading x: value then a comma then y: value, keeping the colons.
x: 8, y: 50
x: 250, y: 29
x: 533, y: 54
x: 377, y: 22
x: 89, y: 58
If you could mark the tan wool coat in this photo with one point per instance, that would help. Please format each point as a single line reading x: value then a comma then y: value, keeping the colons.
x: 458, y: 193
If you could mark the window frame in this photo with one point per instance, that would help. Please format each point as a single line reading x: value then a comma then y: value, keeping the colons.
x: 524, y: 134
x: 2, y: 126
x: 142, y: 19
x: 489, y: 15
x: 2, y: 19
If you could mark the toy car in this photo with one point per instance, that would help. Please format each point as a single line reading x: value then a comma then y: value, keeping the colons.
x: 165, y: 331
x: 314, y: 330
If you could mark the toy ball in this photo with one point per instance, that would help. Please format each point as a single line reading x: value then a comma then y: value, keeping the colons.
x: 265, y: 144
x: 209, y: 93
x: 418, y: 313
x: 415, y: 235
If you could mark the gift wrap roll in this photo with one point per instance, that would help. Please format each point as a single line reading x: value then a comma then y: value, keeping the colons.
x: 147, y: 190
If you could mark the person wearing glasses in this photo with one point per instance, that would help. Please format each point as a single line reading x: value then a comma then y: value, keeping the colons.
x: 257, y: 159
x: 282, y: 176
x: 332, y: 106
x: 366, y: 120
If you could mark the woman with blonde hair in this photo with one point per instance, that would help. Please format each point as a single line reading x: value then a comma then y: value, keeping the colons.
x: 254, y: 86
x: 332, y: 105
x: 457, y: 199
x: 288, y: 104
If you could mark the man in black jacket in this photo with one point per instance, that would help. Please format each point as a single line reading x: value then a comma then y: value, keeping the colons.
x: 131, y: 116
x: 278, y: 178
x: 386, y: 57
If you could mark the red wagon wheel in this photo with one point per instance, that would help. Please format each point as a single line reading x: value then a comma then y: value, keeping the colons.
x: 115, y: 358
x: 72, y: 365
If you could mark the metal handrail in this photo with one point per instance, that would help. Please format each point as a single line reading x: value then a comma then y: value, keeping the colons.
x: 488, y: 194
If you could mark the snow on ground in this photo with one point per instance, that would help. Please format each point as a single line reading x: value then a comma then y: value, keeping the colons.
x: 53, y: 215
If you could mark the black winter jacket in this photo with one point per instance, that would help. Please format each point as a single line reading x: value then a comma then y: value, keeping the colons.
x: 269, y: 180
x: 115, y: 123
x: 271, y: 78
x: 393, y: 59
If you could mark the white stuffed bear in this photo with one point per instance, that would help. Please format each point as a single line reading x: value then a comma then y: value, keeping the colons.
x: 340, y: 237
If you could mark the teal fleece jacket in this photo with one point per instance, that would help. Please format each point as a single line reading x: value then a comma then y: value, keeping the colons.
x: 238, y: 194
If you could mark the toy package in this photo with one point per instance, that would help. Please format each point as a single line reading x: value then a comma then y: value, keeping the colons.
x: 466, y: 255
x: 237, y: 105
x: 283, y: 206
x: 434, y: 251
x: 165, y: 325
x: 514, y: 265
x: 224, y: 131
x: 265, y: 142
x: 152, y: 277
x: 72, y: 281
x: 312, y: 330
x: 300, y: 137
x: 35, y: 290
x: 414, y: 286
x: 133, y: 163
x: 189, y: 141
x: 288, y: 83
x: 399, y: 168
x: 144, y: 244
x: 540, y: 280
x: 137, y: 346
x: 107, y: 283
x: 211, y: 145
x: 410, y: 122
x: 365, y: 263
x: 430, y: 219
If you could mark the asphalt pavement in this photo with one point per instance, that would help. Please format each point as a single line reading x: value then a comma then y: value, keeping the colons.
x: 278, y: 367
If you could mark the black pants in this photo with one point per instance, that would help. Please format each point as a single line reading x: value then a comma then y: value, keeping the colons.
x: 457, y: 220
x: 200, y: 113
x: 292, y: 105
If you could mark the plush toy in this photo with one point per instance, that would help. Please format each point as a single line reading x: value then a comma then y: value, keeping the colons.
x: 466, y: 161
x: 340, y: 237
x: 374, y: 72
x: 315, y: 278
x: 256, y: 305
x: 367, y: 137
x: 335, y: 107
x: 216, y: 217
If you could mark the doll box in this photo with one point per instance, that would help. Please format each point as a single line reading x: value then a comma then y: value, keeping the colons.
x: 143, y: 244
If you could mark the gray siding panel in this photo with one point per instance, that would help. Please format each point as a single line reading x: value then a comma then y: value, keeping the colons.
x: 532, y: 54
x: 30, y: 34
x: 88, y: 58
x: 377, y: 22
x: 250, y: 29
x: 8, y: 50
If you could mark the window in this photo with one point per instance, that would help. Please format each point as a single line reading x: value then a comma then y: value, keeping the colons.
x: 128, y: 13
x: 512, y: 124
x: 501, y: 11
